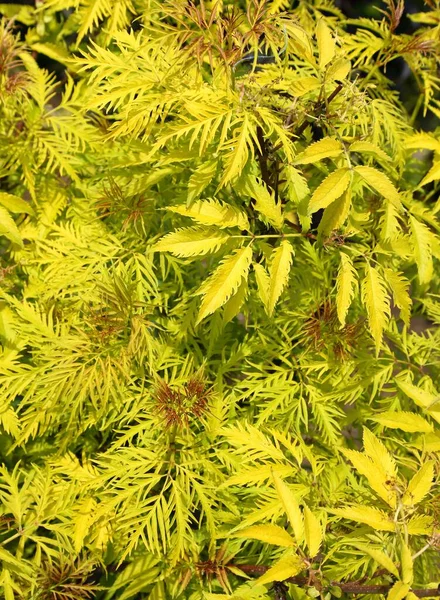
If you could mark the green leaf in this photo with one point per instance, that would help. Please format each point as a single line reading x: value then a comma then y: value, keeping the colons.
x: 269, y: 534
x: 279, y: 273
x: 330, y: 189
x: 224, y: 282
x: 191, y: 241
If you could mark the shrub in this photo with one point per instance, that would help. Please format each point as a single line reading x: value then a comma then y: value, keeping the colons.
x: 220, y: 364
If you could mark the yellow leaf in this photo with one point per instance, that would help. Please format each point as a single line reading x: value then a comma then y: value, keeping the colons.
x: 419, y: 485
x: 312, y: 532
x: 406, y: 564
x: 200, y: 179
x: 406, y: 421
x: 297, y: 187
x: 398, y: 591
x: 291, y: 507
x: 423, y: 140
x: 225, y: 281
x: 376, y: 450
x: 421, y: 238
x: 279, y: 273
x: 376, y: 475
x: 339, y: 70
x: 381, y: 183
x: 335, y: 214
x: 83, y: 519
x: 191, y: 241
x: 390, y: 226
x: 422, y: 398
x: 369, y: 148
x: 329, y: 190
x: 345, y: 284
x: 302, y: 85
x: 7, y: 585
x: 269, y: 534
x: 429, y: 442
x: 400, y: 288
x: 282, y: 570
x: 263, y: 282
x: 373, y: 517
x: 212, y: 212
x: 420, y: 525
x: 377, y: 302
x: 325, y: 148
x: 380, y: 557
x: 15, y: 204
x: 265, y: 202
x: 432, y: 175
x: 326, y: 43
x: 8, y: 228
x: 233, y: 305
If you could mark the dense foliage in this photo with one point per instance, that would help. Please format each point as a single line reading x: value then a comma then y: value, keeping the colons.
x: 220, y: 301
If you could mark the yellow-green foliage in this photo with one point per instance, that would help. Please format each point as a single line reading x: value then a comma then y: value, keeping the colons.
x: 219, y: 236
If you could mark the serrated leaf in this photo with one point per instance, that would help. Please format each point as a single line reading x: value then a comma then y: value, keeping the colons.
x: 377, y: 303
x: 381, y: 183
x: 422, y: 398
x: 279, y: 273
x: 299, y: 86
x: 83, y: 519
x: 380, y: 557
x: 335, y: 214
x: 400, y: 288
x: 15, y: 204
x: 373, y: 517
x: 378, y: 453
x: 312, y: 532
x: 432, y: 175
x: 369, y: 148
x: 233, y: 305
x: 297, y: 187
x: 326, y: 43
x: 406, y: 564
x: 225, y: 281
x: 329, y: 190
x: 8, y: 228
x: 420, y: 525
x: 214, y: 213
x: 345, y: 284
x: 406, y: 421
x: 200, y: 179
x: 263, y: 282
x: 286, y: 567
x: 325, y: 148
x: 390, y: 227
x: 291, y: 507
x: 422, y: 140
x: 419, y: 485
x: 375, y: 474
x: 421, y: 239
x: 269, y: 534
x: 191, y: 241
x: 339, y: 70
x: 398, y: 591
x: 265, y: 202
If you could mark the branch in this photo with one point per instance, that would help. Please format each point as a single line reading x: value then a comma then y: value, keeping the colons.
x: 353, y: 587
